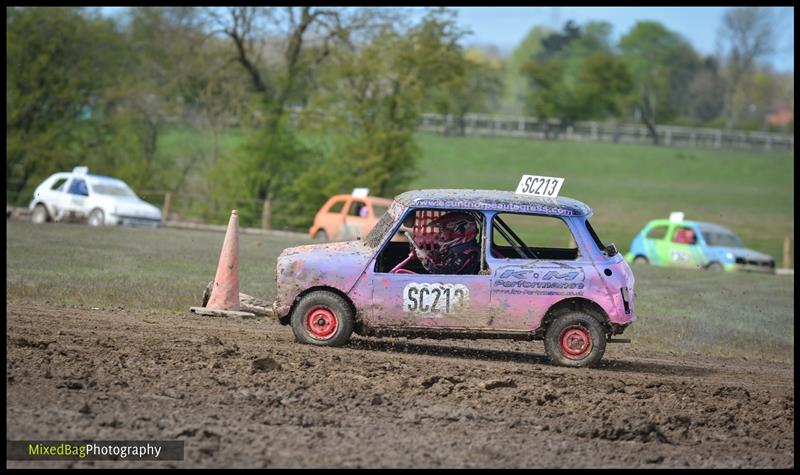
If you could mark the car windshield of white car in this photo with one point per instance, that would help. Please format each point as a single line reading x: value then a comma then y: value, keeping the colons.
x: 113, y: 190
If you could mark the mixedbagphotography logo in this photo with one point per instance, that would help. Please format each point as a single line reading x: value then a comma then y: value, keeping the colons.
x: 95, y: 450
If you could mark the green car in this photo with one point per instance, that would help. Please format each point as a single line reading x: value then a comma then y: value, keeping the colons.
x: 696, y: 245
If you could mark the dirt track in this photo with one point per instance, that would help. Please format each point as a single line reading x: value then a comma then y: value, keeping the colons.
x: 105, y: 375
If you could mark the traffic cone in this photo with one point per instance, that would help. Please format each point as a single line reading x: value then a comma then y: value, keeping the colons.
x: 224, y: 300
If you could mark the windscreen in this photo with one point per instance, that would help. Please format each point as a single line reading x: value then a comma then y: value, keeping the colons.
x: 112, y: 189
x: 721, y: 239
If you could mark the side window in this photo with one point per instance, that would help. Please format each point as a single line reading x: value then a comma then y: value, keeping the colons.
x: 78, y: 187
x: 336, y: 207
x: 443, y: 242
x: 684, y: 235
x: 359, y: 209
x: 657, y: 232
x: 59, y: 184
x: 519, y: 236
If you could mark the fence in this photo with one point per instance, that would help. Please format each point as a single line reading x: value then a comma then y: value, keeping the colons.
x: 553, y: 129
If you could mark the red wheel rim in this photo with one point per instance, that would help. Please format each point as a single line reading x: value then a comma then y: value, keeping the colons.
x: 576, y: 342
x: 321, y: 323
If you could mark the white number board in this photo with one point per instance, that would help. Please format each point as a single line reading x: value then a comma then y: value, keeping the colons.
x: 533, y: 185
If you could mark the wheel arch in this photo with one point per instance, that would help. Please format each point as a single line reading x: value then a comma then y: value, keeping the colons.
x: 46, y: 208
x: 571, y: 304
x: 286, y: 319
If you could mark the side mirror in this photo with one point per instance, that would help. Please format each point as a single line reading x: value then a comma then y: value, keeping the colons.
x: 611, y: 250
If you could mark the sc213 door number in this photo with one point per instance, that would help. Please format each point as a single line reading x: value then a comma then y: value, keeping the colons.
x: 435, y: 298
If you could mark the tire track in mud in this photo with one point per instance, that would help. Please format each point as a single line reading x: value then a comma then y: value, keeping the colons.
x: 243, y: 393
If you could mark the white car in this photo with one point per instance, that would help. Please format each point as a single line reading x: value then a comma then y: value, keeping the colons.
x: 100, y: 200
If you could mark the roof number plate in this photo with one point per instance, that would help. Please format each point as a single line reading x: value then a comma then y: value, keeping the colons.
x: 533, y: 185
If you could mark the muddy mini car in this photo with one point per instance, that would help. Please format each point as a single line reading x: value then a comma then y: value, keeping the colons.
x: 470, y: 264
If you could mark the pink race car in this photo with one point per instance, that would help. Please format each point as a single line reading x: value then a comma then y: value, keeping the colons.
x: 468, y: 264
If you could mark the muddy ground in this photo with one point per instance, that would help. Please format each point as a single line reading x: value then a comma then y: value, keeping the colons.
x: 242, y: 393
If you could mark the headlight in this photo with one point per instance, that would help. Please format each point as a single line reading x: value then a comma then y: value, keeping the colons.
x: 729, y: 256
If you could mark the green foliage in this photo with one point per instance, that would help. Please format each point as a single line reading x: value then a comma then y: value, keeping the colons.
x: 661, y: 63
x: 575, y: 76
x: 516, y: 82
x: 368, y: 107
x: 60, y: 65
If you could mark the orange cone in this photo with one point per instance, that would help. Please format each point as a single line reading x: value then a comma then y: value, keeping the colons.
x: 225, y: 294
x: 224, y: 300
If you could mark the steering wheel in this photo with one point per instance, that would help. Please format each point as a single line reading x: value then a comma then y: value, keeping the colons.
x: 412, y: 254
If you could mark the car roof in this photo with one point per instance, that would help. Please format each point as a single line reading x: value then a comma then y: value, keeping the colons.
x: 701, y: 225
x: 106, y: 179
x: 493, y: 200
x: 374, y: 199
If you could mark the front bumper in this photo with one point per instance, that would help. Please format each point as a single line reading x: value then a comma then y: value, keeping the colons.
x: 135, y: 221
x: 762, y: 268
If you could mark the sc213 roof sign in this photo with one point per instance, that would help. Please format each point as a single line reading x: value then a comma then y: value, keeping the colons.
x: 544, y: 186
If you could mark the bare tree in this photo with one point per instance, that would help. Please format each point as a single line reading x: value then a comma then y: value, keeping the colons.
x: 747, y: 36
x: 304, y: 36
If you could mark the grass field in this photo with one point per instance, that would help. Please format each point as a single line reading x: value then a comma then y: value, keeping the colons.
x: 678, y: 311
x: 752, y: 193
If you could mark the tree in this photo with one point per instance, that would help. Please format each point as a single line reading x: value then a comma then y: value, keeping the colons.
x: 515, y: 81
x: 660, y: 62
x: 602, y: 82
x: 368, y: 107
x: 575, y: 76
x: 61, y: 65
x: 304, y: 36
x: 747, y: 36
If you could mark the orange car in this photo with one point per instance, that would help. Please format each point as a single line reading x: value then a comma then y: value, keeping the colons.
x: 347, y: 217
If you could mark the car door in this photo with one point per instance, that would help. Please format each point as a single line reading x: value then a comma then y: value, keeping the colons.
x: 76, y: 196
x: 684, y: 248
x: 526, y: 284
x: 424, y: 300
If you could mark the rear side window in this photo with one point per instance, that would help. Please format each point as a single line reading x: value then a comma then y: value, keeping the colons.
x: 519, y: 236
x: 358, y: 208
x: 657, y: 232
x: 336, y: 207
x: 59, y: 184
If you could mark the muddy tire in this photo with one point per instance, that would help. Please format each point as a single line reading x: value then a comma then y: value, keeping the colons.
x: 575, y: 339
x: 321, y: 236
x: 715, y: 267
x: 641, y: 260
x: 40, y: 214
x: 96, y: 217
x: 322, y: 318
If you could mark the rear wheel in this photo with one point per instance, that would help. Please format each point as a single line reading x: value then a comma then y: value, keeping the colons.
x: 40, y: 214
x: 640, y: 260
x: 96, y: 217
x: 575, y: 339
x: 322, y: 318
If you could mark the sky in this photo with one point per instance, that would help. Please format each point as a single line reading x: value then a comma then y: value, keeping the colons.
x: 505, y: 27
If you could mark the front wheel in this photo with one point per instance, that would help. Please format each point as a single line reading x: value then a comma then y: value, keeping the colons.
x: 575, y: 339
x: 96, y: 217
x: 715, y: 267
x: 40, y: 214
x: 322, y: 318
